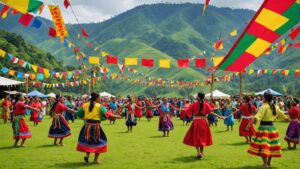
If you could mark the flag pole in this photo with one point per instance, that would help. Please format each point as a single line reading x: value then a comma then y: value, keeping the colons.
x: 211, y: 86
x: 241, y: 84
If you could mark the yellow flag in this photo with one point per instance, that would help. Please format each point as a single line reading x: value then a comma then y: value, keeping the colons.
x: 131, y: 61
x: 2, y: 53
x: 70, y: 44
x: 11, y: 72
x: 78, y: 36
x: 34, y: 68
x: 94, y: 60
x: 217, y: 60
x: 104, y: 54
x: 233, y: 33
x: 165, y: 63
x: 287, y: 72
x: 251, y: 71
x: 96, y: 49
x: 47, y: 73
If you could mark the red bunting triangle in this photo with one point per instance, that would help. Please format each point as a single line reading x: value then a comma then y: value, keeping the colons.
x: 66, y: 3
x: 25, y: 19
x: 4, y: 10
x: 52, y: 32
x: 14, y: 12
x: 294, y: 33
x: 297, y: 45
x: 90, y: 45
x: 84, y: 33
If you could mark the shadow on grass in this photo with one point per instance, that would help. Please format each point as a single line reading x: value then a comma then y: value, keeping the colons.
x: 123, y: 132
x: 158, y: 136
x: 187, y: 159
x: 286, y: 149
x: 238, y: 144
x: 47, y: 146
x: 223, y: 131
x: 247, y: 167
x: 8, y: 148
x: 73, y: 165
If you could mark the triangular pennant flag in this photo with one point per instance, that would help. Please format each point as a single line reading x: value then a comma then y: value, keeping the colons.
x: 2, y: 53
x: 66, y: 3
x: 41, y: 9
x: 4, y: 11
x: 218, y: 45
x: 217, y: 60
x: 233, y: 33
x: 204, y: 6
x: 52, y: 32
x: 104, y: 54
x: 83, y: 32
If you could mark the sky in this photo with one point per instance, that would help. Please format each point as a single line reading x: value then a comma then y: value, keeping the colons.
x: 99, y: 10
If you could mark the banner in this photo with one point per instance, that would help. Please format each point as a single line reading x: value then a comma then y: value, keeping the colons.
x: 58, y: 21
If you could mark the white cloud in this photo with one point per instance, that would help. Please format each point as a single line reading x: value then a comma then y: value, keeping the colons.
x: 99, y: 10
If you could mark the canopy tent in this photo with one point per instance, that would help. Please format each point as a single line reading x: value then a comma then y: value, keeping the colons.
x: 14, y: 92
x: 273, y: 92
x: 8, y: 82
x: 105, y: 94
x: 53, y: 95
x: 36, y: 93
x: 218, y: 94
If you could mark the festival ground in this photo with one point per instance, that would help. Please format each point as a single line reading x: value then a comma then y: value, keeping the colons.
x: 144, y: 148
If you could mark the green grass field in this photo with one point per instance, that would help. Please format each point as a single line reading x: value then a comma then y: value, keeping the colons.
x: 144, y: 148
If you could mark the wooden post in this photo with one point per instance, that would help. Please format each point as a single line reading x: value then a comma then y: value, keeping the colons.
x: 27, y: 81
x: 241, y: 84
x: 83, y: 78
x: 211, y: 86
x: 92, y: 79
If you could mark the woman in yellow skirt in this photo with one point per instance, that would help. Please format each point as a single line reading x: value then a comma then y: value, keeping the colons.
x: 266, y: 140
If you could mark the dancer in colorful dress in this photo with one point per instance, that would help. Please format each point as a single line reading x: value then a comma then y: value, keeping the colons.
x: 6, y: 106
x: 211, y: 118
x: 199, y: 134
x: 247, y: 109
x: 186, y: 118
x: 137, y: 110
x: 266, y: 141
x: 59, y: 128
x: 92, y: 138
x: 165, y: 120
x: 293, y: 131
x: 35, y: 116
x: 112, y: 108
x: 229, y: 121
x: 130, y: 118
x: 20, y: 128
x: 149, y: 113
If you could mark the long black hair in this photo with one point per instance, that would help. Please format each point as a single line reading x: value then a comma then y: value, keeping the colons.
x: 57, y: 98
x: 248, y: 99
x: 269, y: 97
x: 201, y: 99
x: 94, y: 96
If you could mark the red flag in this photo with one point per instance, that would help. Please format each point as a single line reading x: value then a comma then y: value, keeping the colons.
x: 147, y: 62
x: 282, y: 49
x: 200, y: 62
x: 274, y: 71
x: 21, y: 62
x: 297, y: 45
x: 111, y: 59
x: 66, y: 3
x: 84, y: 33
x: 4, y: 10
x: 296, y: 73
x: 294, y: 33
x: 41, y: 70
x: 219, y: 45
x: 76, y: 49
x: 25, y: 19
x: 52, y: 32
x: 183, y: 63
x: 205, y: 5
x: 90, y: 45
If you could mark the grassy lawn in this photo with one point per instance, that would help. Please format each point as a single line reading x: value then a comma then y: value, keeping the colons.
x: 144, y: 148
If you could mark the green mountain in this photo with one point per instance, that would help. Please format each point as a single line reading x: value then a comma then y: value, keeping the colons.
x: 168, y: 31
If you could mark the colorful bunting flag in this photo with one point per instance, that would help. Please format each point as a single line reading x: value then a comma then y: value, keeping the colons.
x: 131, y: 61
x: 25, y: 19
x: 165, y: 63
x: 83, y: 32
x: 24, y: 6
x: 200, y: 62
x: 219, y: 45
x: 36, y: 23
x: 66, y: 3
x: 217, y: 60
x: 183, y: 63
x: 2, y: 53
x: 4, y: 11
x: 104, y: 54
x: 294, y: 33
x: 204, y: 6
x: 52, y: 32
x: 111, y: 59
x: 147, y: 62
x: 273, y: 19
x: 60, y: 27
x: 94, y: 60
x: 233, y: 33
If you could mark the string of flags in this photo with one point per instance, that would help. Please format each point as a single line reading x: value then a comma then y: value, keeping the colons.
x: 39, y: 72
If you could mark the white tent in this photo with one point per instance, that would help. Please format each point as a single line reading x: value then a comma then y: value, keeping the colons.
x: 53, y: 95
x: 105, y: 94
x: 8, y: 82
x: 218, y: 94
x: 273, y: 92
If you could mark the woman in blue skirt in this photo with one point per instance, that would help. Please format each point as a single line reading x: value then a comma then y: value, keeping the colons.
x: 229, y: 118
x: 92, y: 138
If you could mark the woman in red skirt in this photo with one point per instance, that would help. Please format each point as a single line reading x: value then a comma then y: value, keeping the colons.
x: 20, y: 128
x: 247, y: 109
x: 199, y: 134
x: 34, y: 114
x: 149, y: 113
